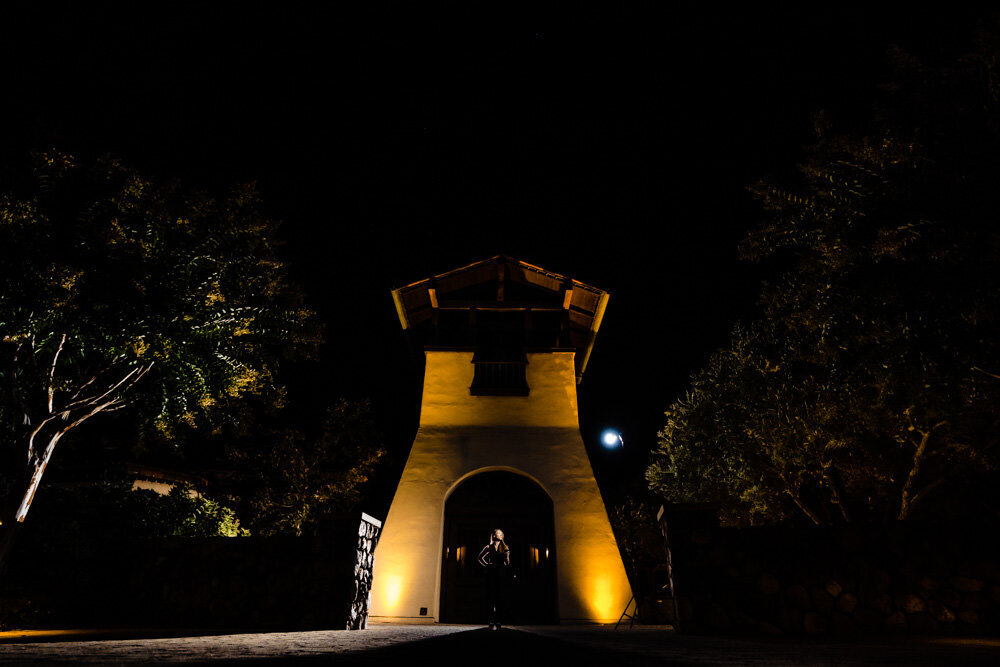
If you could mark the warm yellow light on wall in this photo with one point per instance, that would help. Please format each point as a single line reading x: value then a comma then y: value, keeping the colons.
x: 392, y: 590
x: 462, y: 435
x: 602, y: 599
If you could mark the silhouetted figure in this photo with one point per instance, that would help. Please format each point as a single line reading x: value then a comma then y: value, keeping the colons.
x: 495, y: 557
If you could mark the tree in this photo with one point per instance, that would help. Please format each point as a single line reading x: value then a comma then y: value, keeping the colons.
x: 293, y: 478
x: 116, y: 291
x: 70, y: 518
x: 868, y: 382
x: 637, y: 533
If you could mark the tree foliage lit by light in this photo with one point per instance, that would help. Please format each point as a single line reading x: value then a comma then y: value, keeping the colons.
x: 297, y: 478
x: 869, y: 384
x: 116, y: 291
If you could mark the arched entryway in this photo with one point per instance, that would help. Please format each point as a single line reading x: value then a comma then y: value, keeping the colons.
x: 519, y: 506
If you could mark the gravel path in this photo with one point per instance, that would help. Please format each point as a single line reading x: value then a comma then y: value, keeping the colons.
x: 465, y: 646
x: 284, y: 645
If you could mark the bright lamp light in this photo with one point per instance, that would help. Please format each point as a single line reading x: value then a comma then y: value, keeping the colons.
x: 611, y: 438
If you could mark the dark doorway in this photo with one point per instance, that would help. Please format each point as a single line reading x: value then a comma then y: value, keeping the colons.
x: 523, y: 511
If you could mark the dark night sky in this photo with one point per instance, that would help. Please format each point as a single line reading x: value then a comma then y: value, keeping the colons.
x: 401, y: 140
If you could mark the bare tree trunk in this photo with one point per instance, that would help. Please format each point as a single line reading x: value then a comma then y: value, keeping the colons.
x: 40, y: 464
x: 835, y: 497
x: 50, y: 421
x: 28, y: 487
x: 792, y: 490
x: 16, y: 505
x: 805, y: 508
x: 907, y: 499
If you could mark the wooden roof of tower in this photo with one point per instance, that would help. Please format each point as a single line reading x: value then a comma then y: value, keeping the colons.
x: 584, y: 304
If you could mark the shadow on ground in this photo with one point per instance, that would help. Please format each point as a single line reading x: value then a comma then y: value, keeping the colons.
x: 475, y: 648
x: 515, y: 648
x: 549, y: 646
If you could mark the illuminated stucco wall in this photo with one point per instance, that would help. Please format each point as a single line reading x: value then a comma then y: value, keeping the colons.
x: 536, y: 435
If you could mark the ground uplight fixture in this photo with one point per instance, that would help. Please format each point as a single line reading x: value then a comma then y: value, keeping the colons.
x: 611, y: 438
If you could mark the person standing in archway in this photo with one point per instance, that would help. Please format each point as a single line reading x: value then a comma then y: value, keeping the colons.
x: 495, y: 557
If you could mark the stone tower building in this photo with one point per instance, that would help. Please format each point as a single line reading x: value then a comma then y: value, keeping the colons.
x: 499, y: 446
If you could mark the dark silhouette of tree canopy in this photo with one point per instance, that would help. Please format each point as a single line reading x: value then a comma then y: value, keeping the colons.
x: 116, y: 291
x: 871, y: 379
x: 292, y: 477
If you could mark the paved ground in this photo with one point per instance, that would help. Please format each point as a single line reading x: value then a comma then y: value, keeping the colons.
x: 289, y: 646
x: 651, y: 647
x: 437, y: 645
